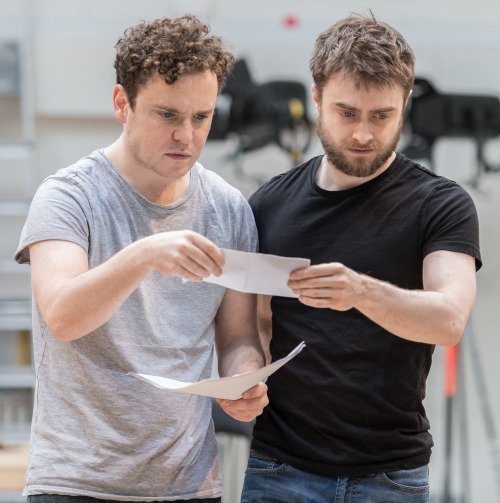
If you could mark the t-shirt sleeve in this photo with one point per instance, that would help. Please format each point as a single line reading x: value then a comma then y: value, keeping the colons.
x: 451, y: 222
x: 59, y: 210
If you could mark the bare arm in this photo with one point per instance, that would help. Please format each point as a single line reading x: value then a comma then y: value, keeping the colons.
x: 435, y: 315
x: 74, y: 300
x: 239, y: 351
x: 264, y: 322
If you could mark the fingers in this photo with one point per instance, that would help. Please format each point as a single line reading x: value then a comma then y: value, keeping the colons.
x: 199, y: 257
x: 213, y: 257
x: 315, y: 271
x: 194, y: 264
x: 322, y: 278
x: 249, y: 406
x: 331, y: 285
x: 258, y: 391
x: 186, y: 254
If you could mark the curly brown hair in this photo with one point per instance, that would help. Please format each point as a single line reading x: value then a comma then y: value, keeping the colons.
x: 363, y: 49
x: 169, y: 48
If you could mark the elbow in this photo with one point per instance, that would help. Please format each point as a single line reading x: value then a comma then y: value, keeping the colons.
x: 453, y: 322
x: 455, y: 331
x: 452, y: 340
x: 64, y: 321
x: 62, y: 333
x: 66, y: 324
x: 61, y: 329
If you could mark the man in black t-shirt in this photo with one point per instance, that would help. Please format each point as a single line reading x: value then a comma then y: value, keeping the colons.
x: 394, y: 249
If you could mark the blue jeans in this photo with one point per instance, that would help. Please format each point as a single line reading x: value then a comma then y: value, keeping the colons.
x: 267, y: 480
x: 59, y: 498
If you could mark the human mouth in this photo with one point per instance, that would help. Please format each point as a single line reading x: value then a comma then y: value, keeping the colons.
x: 361, y: 151
x: 178, y: 156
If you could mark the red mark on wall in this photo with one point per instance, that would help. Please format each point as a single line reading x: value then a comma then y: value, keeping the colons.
x: 290, y: 21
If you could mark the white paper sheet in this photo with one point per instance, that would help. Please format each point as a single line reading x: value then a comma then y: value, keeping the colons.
x: 225, y: 387
x: 257, y: 272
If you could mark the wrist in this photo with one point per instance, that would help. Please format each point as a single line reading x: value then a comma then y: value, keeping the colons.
x: 140, y: 256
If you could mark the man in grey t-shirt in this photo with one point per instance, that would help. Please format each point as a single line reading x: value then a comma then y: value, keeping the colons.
x: 110, y: 240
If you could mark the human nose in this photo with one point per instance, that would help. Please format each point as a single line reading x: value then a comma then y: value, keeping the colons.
x: 184, y: 132
x: 362, y: 133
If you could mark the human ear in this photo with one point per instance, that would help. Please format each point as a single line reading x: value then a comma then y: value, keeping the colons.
x: 121, y: 104
x: 315, y: 97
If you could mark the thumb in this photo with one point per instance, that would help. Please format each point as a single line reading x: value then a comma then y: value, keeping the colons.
x: 257, y: 391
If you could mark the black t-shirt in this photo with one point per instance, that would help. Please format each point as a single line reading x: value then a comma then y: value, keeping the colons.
x: 351, y: 402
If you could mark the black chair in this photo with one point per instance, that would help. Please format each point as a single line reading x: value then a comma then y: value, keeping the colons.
x: 432, y: 115
x: 260, y: 114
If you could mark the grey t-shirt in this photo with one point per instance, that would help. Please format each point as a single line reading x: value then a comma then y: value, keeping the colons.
x: 96, y: 430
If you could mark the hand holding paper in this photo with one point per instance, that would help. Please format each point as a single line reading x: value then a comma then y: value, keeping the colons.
x: 257, y: 272
x: 226, y: 387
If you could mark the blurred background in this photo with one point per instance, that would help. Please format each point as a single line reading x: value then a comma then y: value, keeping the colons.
x: 56, y: 82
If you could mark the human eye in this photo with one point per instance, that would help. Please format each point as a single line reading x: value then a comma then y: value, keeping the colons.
x: 201, y: 117
x: 166, y: 115
x: 347, y: 114
x: 382, y: 116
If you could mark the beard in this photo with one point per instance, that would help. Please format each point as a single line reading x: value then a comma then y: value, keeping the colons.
x: 360, y: 167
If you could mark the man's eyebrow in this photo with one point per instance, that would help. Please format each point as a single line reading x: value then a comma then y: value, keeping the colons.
x: 166, y: 108
x: 174, y: 110
x: 345, y: 106
x: 339, y: 104
x: 383, y: 110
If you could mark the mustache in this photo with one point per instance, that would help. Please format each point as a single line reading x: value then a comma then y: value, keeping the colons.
x: 374, y: 145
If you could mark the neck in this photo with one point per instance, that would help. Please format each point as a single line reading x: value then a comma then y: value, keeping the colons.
x: 166, y: 193
x: 328, y: 177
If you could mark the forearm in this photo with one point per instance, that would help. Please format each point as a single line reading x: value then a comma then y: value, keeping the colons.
x: 437, y: 314
x: 236, y: 336
x: 243, y: 354
x: 417, y: 315
x: 265, y: 325
x: 239, y: 357
x: 75, y: 300
x: 75, y: 306
x: 239, y: 350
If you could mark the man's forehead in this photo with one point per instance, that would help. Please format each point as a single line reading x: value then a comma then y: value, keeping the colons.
x: 348, y: 92
x: 199, y: 86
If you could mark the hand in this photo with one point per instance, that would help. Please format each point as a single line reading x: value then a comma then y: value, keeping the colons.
x: 249, y: 406
x: 185, y: 254
x: 331, y: 285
